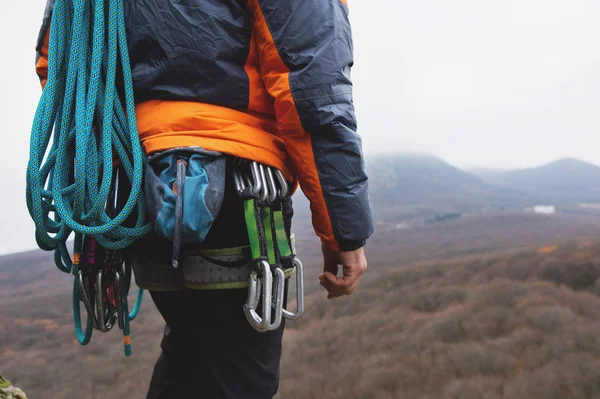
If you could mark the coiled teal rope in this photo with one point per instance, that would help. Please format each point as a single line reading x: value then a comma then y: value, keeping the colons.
x: 82, y: 124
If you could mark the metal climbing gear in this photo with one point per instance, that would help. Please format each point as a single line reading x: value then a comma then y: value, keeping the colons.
x: 256, y: 284
x: 264, y: 189
x: 84, y: 125
x: 299, y: 272
x: 103, y: 281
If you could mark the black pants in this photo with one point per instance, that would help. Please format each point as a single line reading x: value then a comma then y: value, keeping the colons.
x: 208, y: 349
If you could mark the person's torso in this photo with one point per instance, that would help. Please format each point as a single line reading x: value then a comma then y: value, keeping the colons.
x: 195, y: 50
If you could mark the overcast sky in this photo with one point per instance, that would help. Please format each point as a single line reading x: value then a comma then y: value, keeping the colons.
x: 509, y: 83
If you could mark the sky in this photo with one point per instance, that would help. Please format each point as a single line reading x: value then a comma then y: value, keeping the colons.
x: 497, y: 84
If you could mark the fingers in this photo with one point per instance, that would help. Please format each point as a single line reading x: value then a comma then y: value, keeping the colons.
x: 339, y: 286
x: 354, y: 266
x: 332, y: 290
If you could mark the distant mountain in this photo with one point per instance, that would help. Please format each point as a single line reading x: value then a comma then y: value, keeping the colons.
x: 486, y: 174
x: 416, y: 186
x: 425, y: 184
x: 413, y: 173
x: 563, y: 181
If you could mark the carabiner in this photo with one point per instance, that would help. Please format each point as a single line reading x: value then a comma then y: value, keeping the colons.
x: 106, y: 317
x: 240, y: 185
x: 257, y: 187
x: 277, y: 301
x: 119, y: 296
x: 284, y: 189
x: 272, y: 188
x: 299, y: 292
x: 254, y: 292
x: 264, y: 191
x: 85, y: 298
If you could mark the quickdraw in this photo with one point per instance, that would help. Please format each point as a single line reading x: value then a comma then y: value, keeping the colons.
x: 264, y: 189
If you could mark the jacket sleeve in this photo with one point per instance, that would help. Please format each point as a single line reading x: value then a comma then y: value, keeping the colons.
x: 41, y: 48
x: 305, y: 54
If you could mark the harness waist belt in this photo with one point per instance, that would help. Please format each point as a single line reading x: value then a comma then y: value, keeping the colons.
x: 208, y: 269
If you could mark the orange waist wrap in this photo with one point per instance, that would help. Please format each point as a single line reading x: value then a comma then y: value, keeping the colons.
x: 163, y: 125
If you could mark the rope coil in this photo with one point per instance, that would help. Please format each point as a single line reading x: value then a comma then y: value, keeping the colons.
x: 82, y: 115
x: 84, y: 122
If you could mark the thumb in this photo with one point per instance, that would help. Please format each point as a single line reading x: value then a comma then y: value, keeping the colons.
x: 328, y: 276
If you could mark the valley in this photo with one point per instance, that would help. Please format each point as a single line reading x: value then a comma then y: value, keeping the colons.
x: 493, y: 302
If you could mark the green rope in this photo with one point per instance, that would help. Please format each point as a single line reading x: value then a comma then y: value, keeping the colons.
x: 82, y: 124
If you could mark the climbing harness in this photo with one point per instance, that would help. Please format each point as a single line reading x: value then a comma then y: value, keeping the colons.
x: 264, y: 190
x: 84, y: 138
x: 264, y: 267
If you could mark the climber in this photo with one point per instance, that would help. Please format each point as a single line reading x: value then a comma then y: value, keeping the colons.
x: 224, y: 89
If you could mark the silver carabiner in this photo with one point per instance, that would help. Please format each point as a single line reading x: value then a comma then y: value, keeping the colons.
x: 240, y: 185
x: 272, y: 188
x: 119, y: 296
x: 264, y: 191
x: 84, y: 295
x: 284, y: 189
x: 299, y: 292
x: 257, y: 187
x: 106, y: 317
x: 254, y: 293
x: 277, y: 300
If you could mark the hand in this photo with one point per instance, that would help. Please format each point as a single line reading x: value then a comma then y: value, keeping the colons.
x: 354, y: 266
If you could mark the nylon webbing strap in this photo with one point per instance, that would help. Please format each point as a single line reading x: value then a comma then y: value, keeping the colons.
x: 283, y: 240
x: 267, y: 233
x: 271, y: 254
x: 254, y: 237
